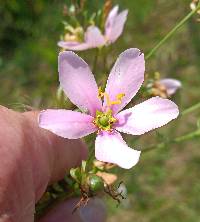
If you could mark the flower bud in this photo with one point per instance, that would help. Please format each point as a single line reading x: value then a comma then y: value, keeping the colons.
x: 95, y: 183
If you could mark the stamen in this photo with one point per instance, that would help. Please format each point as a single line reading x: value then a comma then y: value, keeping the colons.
x: 74, y: 34
x: 104, y: 120
x: 100, y: 93
x: 109, y: 103
x: 119, y: 99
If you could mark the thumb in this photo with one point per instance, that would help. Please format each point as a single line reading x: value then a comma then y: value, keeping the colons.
x: 30, y: 158
x: 53, y: 156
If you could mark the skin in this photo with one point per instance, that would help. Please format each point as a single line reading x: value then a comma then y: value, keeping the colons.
x: 30, y: 159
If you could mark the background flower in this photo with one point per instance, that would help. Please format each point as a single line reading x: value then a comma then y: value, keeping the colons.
x: 171, y: 85
x: 93, y: 38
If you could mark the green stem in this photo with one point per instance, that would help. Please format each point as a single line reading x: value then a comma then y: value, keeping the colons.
x: 90, y: 158
x: 105, y: 55
x: 188, y: 136
x: 95, y: 60
x: 191, y: 109
x: 170, y: 33
x: 91, y: 153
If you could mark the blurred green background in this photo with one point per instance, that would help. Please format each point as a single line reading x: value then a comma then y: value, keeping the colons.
x: 165, y: 185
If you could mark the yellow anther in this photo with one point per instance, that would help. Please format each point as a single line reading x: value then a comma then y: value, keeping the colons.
x: 118, y: 100
x: 120, y: 96
x: 104, y: 120
x: 100, y: 93
x: 113, y: 120
x: 108, y: 102
x: 74, y: 34
x: 70, y: 38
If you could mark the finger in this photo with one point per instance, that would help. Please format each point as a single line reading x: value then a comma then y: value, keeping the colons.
x: 94, y: 211
x: 30, y: 158
x: 52, y: 156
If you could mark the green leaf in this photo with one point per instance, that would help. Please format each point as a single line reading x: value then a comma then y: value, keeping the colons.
x: 83, y: 166
x: 76, y: 174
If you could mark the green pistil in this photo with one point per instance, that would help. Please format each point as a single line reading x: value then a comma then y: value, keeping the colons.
x: 105, y: 120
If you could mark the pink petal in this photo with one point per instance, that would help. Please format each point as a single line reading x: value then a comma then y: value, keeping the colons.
x: 126, y: 77
x: 78, y: 82
x: 146, y: 116
x: 115, y: 24
x: 75, y: 46
x: 66, y: 123
x: 171, y: 85
x: 111, y: 148
x: 110, y: 19
x: 93, y: 37
x: 112, y: 14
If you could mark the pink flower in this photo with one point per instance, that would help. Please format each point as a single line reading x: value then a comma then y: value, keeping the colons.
x: 164, y: 88
x: 107, y: 119
x: 93, y: 37
x: 171, y: 85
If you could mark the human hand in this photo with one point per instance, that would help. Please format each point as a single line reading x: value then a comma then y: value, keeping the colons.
x: 30, y: 159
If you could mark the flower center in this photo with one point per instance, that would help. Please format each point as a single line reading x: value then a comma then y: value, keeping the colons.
x: 104, y: 120
x: 159, y: 89
x: 74, y: 34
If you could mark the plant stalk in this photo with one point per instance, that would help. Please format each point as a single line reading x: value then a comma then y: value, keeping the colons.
x: 171, y: 32
x: 188, y: 136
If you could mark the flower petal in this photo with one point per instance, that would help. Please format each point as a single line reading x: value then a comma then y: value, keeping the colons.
x: 115, y: 24
x: 146, y: 116
x: 112, y: 15
x: 75, y: 46
x: 66, y: 123
x: 171, y: 85
x: 93, y: 37
x: 111, y: 148
x: 78, y: 82
x: 126, y: 77
x: 110, y: 20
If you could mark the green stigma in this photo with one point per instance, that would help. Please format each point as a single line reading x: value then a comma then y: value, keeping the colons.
x: 105, y: 120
